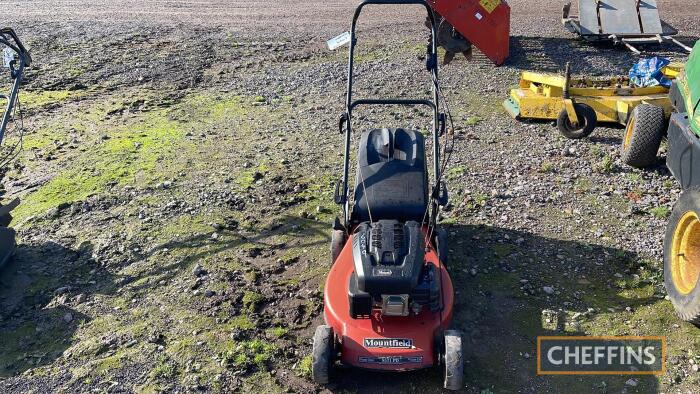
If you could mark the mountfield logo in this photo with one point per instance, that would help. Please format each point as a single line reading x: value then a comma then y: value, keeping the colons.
x: 601, y: 355
x: 389, y: 343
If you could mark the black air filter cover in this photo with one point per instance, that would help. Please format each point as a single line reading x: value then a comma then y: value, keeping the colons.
x: 388, y: 257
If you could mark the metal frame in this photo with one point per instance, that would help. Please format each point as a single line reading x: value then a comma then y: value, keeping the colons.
x: 352, y: 104
x: 9, y: 38
x: 574, y: 25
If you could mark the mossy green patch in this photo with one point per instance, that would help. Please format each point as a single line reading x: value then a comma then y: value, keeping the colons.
x: 210, y: 108
x: 473, y: 120
x: 108, y: 364
x: 277, y: 332
x: 247, y: 179
x: 454, y: 173
x: 660, y: 212
x: 305, y: 366
x: 164, y: 369
x: 254, y: 352
x: 251, y: 300
x: 132, y: 156
x: 40, y: 139
x: 11, y: 350
x: 31, y: 99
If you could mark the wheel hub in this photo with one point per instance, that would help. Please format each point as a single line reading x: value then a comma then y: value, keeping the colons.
x: 685, y: 253
x: 629, y: 132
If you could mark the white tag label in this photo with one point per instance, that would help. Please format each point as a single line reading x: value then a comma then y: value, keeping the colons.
x: 337, y: 42
x: 478, y: 16
x: 8, y: 55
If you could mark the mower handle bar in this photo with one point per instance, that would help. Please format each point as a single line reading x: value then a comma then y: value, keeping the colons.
x: 432, y: 66
x: 432, y: 61
x: 9, y: 38
x: 15, y: 44
x: 392, y: 102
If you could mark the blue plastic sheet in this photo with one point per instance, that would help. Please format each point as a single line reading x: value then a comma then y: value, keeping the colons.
x: 647, y: 72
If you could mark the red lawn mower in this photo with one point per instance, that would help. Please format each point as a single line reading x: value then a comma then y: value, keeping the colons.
x: 388, y: 297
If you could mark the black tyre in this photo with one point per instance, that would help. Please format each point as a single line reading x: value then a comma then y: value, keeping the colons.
x: 7, y: 244
x: 454, y: 363
x: 587, y: 121
x: 338, y: 239
x: 441, y: 245
x: 5, y: 220
x: 645, y: 129
x: 682, y: 256
x: 323, y: 354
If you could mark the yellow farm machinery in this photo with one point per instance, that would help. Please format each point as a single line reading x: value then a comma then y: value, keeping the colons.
x: 579, y: 104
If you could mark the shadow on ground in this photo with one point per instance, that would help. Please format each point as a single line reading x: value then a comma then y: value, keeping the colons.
x: 499, y: 276
x: 299, y: 233
x: 39, y: 289
x: 550, y: 54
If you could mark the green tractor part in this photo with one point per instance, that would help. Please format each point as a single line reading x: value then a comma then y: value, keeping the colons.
x: 685, y: 96
x: 684, y: 128
x: 682, y: 240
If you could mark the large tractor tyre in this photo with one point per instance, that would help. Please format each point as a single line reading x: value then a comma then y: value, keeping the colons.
x: 322, y: 356
x: 441, y: 245
x: 453, y: 361
x: 587, y: 121
x: 682, y: 256
x: 645, y: 129
x: 338, y: 239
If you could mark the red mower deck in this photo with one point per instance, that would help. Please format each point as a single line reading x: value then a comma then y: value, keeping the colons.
x: 359, y: 338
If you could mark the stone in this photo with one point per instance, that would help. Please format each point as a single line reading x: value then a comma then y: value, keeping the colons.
x: 198, y: 270
x: 80, y: 298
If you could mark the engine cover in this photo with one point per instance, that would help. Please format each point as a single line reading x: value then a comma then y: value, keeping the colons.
x: 388, y: 257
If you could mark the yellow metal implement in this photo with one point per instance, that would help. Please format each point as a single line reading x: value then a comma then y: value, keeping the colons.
x: 490, y: 5
x: 542, y: 96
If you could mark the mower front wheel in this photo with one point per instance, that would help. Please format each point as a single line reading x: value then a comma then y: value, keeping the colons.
x: 453, y: 361
x: 682, y: 256
x: 587, y: 121
x: 322, y: 356
x: 338, y: 239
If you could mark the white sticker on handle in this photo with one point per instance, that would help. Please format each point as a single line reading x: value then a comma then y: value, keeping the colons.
x: 478, y: 16
x: 337, y: 42
x: 8, y: 55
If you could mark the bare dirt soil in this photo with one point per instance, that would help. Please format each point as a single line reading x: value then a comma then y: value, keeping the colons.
x: 176, y: 184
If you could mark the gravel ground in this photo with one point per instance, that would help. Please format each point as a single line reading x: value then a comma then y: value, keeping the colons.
x: 176, y: 201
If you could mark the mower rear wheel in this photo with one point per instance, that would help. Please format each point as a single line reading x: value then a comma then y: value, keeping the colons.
x: 5, y: 220
x: 441, y: 245
x: 645, y: 130
x: 454, y: 363
x: 682, y: 256
x: 338, y: 239
x: 322, y: 356
x: 587, y: 121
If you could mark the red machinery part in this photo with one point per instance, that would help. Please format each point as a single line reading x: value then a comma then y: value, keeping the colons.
x: 485, y: 23
x: 423, y: 330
